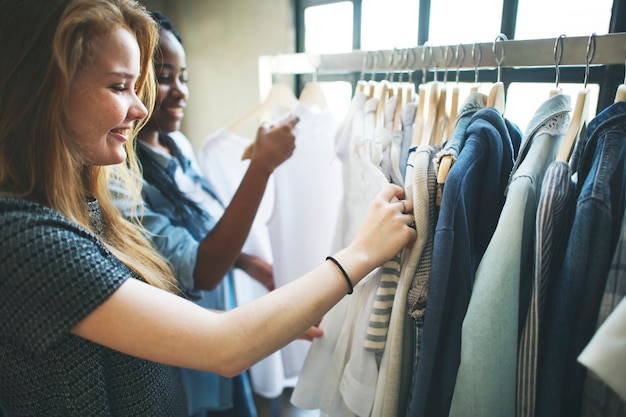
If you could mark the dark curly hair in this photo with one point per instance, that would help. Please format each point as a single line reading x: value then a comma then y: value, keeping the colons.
x: 165, y: 24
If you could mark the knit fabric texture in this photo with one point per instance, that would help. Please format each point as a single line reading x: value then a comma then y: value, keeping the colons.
x: 54, y: 273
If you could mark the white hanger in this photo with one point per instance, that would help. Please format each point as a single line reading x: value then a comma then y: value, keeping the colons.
x: 312, y: 94
x: 280, y: 95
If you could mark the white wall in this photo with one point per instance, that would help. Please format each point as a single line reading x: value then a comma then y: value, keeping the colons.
x: 223, y: 40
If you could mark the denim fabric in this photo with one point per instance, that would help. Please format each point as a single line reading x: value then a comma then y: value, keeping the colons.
x: 599, y: 399
x: 454, y: 144
x: 594, y: 234
x: 471, y: 203
x: 485, y: 382
x: 167, y: 242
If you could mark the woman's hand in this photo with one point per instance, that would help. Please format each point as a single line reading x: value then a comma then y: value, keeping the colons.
x: 312, y: 332
x: 258, y: 269
x: 388, y: 227
x: 274, y: 145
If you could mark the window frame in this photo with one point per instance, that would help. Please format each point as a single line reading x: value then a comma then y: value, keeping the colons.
x: 608, y: 77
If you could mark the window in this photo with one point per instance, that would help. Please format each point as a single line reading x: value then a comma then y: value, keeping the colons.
x: 328, y: 28
x: 389, y: 24
x: 546, y: 19
x: 454, y: 22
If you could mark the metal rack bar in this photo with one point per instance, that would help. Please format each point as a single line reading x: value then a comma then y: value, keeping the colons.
x: 609, y: 49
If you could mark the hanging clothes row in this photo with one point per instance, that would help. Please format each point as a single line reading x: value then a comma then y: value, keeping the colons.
x: 490, y: 309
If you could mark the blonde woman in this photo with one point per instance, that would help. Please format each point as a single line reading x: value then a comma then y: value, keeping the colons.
x: 91, y: 320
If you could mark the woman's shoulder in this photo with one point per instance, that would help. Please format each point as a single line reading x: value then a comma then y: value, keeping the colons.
x: 15, y: 208
x: 19, y: 218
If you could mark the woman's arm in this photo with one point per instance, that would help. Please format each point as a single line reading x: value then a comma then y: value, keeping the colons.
x: 218, y: 251
x: 143, y: 321
x: 258, y: 269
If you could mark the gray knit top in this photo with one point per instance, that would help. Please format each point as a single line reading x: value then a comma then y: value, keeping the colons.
x: 53, y: 273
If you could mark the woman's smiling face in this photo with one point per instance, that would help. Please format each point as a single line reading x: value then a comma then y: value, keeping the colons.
x: 172, y: 90
x: 103, y: 105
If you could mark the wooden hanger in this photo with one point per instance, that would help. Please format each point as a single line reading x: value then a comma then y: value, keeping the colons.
x: 313, y: 96
x: 496, y: 95
x: 418, y: 125
x: 371, y: 89
x: 409, y: 92
x: 577, y: 121
x: 580, y: 112
x: 430, y: 125
x: 442, y: 117
x: 620, y: 94
x: 397, y: 111
x: 279, y: 96
x: 360, y: 86
x: 454, y: 111
x: 495, y: 98
x: 382, y: 94
x: 454, y: 100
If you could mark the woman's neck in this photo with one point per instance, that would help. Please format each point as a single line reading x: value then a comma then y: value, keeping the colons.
x: 152, y: 138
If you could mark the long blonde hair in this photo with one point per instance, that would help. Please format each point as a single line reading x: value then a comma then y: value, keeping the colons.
x: 45, y: 44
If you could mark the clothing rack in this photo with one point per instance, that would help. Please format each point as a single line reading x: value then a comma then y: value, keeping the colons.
x: 609, y: 49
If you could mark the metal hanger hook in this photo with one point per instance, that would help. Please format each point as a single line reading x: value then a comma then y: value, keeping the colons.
x: 477, y: 56
x: 380, y: 56
x: 449, y: 59
x: 408, y: 64
x: 558, y: 57
x: 498, y: 59
x: 315, y: 65
x: 459, y: 60
x: 591, y: 50
x: 365, y: 61
x: 428, y: 48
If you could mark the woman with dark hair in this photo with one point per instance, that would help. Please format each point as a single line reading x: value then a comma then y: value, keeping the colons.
x: 174, y: 187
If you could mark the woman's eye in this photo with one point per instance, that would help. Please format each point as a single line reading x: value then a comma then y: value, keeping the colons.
x: 164, y: 79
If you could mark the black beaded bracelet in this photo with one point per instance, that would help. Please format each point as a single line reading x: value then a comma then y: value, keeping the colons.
x: 343, y: 271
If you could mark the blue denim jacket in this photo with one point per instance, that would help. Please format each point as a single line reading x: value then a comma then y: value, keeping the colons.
x: 575, y: 303
x: 472, y: 199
